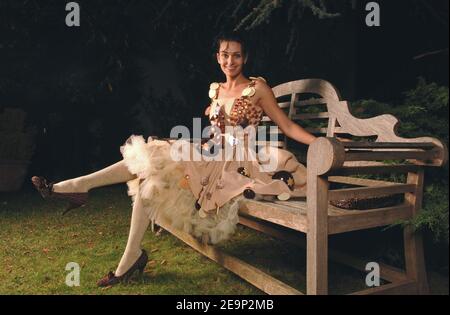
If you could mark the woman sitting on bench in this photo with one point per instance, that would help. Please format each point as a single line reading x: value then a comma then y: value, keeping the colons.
x: 199, y: 197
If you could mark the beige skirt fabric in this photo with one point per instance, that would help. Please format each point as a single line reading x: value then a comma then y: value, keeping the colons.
x: 169, y: 189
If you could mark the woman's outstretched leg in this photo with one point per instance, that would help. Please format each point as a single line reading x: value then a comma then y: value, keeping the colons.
x: 75, y: 190
x: 113, y: 174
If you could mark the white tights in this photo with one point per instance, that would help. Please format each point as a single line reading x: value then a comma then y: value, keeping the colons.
x: 114, y: 174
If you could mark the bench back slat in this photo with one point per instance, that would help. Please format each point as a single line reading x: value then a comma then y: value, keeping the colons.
x: 307, y: 105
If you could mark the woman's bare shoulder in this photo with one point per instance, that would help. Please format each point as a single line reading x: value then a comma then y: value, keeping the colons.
x: 261, y: 86
x: 258, y: 79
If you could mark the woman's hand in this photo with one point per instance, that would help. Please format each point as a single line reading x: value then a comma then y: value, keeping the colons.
x: 267, y: 101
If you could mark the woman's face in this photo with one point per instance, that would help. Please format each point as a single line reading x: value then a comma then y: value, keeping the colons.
x: 231, y: 58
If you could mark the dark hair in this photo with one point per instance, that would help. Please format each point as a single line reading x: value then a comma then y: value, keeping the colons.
x: 231, y: 36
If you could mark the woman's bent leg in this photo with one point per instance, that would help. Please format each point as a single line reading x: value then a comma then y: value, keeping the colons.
x: 113, y: 174
x: 138, y: 227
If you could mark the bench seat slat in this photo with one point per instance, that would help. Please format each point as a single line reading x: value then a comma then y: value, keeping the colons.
x: 292, y: 214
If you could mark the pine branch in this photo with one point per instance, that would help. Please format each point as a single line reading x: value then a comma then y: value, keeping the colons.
x: 318, y: 10
x: 259, y: 15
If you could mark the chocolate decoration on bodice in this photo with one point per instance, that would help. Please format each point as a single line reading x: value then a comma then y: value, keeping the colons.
x: 243, y: 112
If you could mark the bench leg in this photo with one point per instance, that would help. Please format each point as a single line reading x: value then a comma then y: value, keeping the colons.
x: 414, y: 256
x: 317, y: 237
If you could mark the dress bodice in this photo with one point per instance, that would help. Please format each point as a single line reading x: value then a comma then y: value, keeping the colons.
x: 239, y: 111
x: 233, y: 112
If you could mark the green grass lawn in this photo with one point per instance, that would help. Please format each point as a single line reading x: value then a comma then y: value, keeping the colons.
x: 36, y: 243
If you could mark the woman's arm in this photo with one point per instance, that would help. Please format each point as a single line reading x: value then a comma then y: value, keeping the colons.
x: 268, y: 103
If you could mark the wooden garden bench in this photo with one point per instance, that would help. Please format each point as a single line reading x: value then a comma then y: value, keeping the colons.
x: 332, y: 161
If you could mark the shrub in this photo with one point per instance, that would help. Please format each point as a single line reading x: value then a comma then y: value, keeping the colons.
x: 16, y: 140
x: 424, y: 112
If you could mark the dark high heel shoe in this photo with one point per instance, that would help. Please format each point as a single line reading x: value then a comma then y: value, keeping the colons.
x: 45, y: 188
x: 111, y: 279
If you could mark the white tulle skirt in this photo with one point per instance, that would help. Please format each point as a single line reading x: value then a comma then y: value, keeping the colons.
x: 156, y: 191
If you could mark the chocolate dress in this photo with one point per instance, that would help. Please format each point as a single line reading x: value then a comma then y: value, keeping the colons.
x: 199, y: 192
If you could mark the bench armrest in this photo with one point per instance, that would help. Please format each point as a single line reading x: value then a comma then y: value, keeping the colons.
x: 328, y: 156
x: 425, y: 150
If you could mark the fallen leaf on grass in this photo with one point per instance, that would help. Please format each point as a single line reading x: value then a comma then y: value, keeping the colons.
x: 163, y: 262
x: 106, y: 288
x: 154, y: 250
x: 45, y: 250
x: 159, y: 232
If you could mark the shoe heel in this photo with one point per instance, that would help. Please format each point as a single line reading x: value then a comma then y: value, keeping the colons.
x: 70, y: 207
x: 141, y: 271
x: 127, y: 278
x: 74, y: 204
